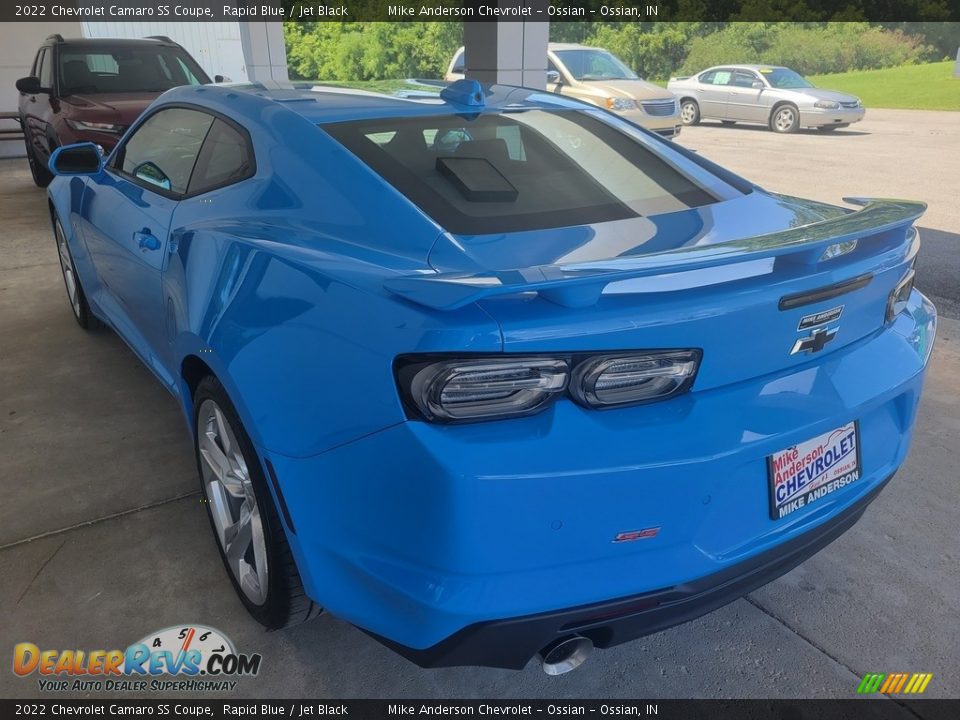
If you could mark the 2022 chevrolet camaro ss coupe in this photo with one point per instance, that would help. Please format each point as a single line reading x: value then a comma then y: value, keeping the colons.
x: 490, y: 372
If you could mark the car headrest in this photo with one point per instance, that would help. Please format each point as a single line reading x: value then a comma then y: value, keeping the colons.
x: 409, y: 148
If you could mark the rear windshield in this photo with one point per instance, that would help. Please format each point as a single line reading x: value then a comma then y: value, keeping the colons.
x: 527, y: 170
x: 127, y: 69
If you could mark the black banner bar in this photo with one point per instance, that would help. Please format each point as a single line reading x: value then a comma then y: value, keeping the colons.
x: 873, y: 709
x: 478, y: 10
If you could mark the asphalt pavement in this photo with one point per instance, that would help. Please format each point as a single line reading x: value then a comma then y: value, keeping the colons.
x: 910, y: 154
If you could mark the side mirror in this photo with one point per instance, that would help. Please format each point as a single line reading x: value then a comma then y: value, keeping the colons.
x: 758, y: 85
x: 84, y: 158
x: 149, y: 172
x: 29, y: 85
x: 221, y: 79
x: 553, y: 77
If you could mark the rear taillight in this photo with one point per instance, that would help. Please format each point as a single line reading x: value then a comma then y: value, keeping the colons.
x: 470, y: 389
x: 616, y: 380
x: 897, y: 300
x: 453, y: 390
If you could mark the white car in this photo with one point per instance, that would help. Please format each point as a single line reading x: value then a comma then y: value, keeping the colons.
x: 774, y: 96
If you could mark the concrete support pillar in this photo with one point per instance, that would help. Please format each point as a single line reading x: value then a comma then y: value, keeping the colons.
x: 511, y: 53
x: 264, y: 52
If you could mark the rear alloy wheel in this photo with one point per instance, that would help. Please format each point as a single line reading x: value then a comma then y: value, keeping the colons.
x: 78, y: 301
x: 785, y: 119
x: 251, y: 539
x: 40, y: 173
x: 689, y: 112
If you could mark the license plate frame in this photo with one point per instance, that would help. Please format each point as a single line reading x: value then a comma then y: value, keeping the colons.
x: 793, y: 463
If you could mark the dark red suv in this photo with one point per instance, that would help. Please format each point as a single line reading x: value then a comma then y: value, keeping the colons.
x: 93, y: 90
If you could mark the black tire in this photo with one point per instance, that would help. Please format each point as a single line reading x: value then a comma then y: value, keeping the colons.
x: 689, y: 112
x: 785, y: 119
x: 41, y: 174
x: 729, y: 122
x: 78, y: 302
x: 285, y: 601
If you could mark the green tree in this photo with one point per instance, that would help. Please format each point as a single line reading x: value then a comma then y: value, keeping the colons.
x: 653, y: 49
x: 370, y: 51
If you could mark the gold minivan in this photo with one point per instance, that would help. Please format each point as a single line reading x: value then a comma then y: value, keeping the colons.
x: 597, y: 76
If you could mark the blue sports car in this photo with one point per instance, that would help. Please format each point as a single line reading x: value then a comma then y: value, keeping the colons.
x: 489, y: 372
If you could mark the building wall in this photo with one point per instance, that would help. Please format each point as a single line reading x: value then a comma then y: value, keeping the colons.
x: 18, y: 46
x: 215, y: 45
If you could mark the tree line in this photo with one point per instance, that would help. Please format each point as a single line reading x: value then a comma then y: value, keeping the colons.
x: 656, y: 50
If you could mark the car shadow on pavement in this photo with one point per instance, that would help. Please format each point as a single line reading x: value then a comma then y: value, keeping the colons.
x: 756, y: 127
x: 938, y: 269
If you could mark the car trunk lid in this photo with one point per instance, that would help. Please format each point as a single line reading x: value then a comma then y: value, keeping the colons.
x: 821, y: 280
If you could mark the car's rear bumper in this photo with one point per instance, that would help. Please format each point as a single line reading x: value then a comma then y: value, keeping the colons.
x: 512, y: 642
x: 418, y: 533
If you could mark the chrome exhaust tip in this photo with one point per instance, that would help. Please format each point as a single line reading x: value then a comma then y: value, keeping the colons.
x: 565, y: 654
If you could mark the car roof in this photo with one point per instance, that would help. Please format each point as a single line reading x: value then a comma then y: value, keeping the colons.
x: 558, y: 46
x: 572, y: 46
x: 334, y: 103
x: 742, y: 66
x: 108, y: 42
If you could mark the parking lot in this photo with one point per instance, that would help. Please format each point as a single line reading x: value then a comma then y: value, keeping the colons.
x: 103, y: 538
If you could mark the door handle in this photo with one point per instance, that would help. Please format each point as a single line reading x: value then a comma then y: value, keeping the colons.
x: 146, y: 240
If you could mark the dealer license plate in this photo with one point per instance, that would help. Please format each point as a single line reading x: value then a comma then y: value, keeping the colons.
x: 811, y: 470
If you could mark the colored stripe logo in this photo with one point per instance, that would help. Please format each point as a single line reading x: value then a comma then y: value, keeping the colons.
x: 894, y: 683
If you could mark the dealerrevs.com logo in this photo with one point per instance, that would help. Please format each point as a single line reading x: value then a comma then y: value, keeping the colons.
x: 186, y: 657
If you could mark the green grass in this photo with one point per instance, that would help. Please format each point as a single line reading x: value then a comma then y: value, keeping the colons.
x: 911, y: 87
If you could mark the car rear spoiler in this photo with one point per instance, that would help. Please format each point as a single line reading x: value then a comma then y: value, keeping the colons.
x: 581, y: 284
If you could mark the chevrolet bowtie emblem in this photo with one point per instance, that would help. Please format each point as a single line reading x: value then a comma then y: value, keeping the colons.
x: 815, y: 341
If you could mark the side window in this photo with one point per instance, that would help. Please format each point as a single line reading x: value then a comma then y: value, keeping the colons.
x: 722, y: 77
x: 707, y: 77
x: 743, y: 78
x: 163, y: 150
x: 45, y: 72
x: 225, y: 158
x: 511, y: 136
x: 445, y: 141
x: 385, y: 137
x: 459, y: 64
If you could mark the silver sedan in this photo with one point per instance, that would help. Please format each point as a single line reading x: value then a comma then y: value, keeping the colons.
x: 774, y: 96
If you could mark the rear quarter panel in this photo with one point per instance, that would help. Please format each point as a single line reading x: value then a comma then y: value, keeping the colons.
x: 276, y: 284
